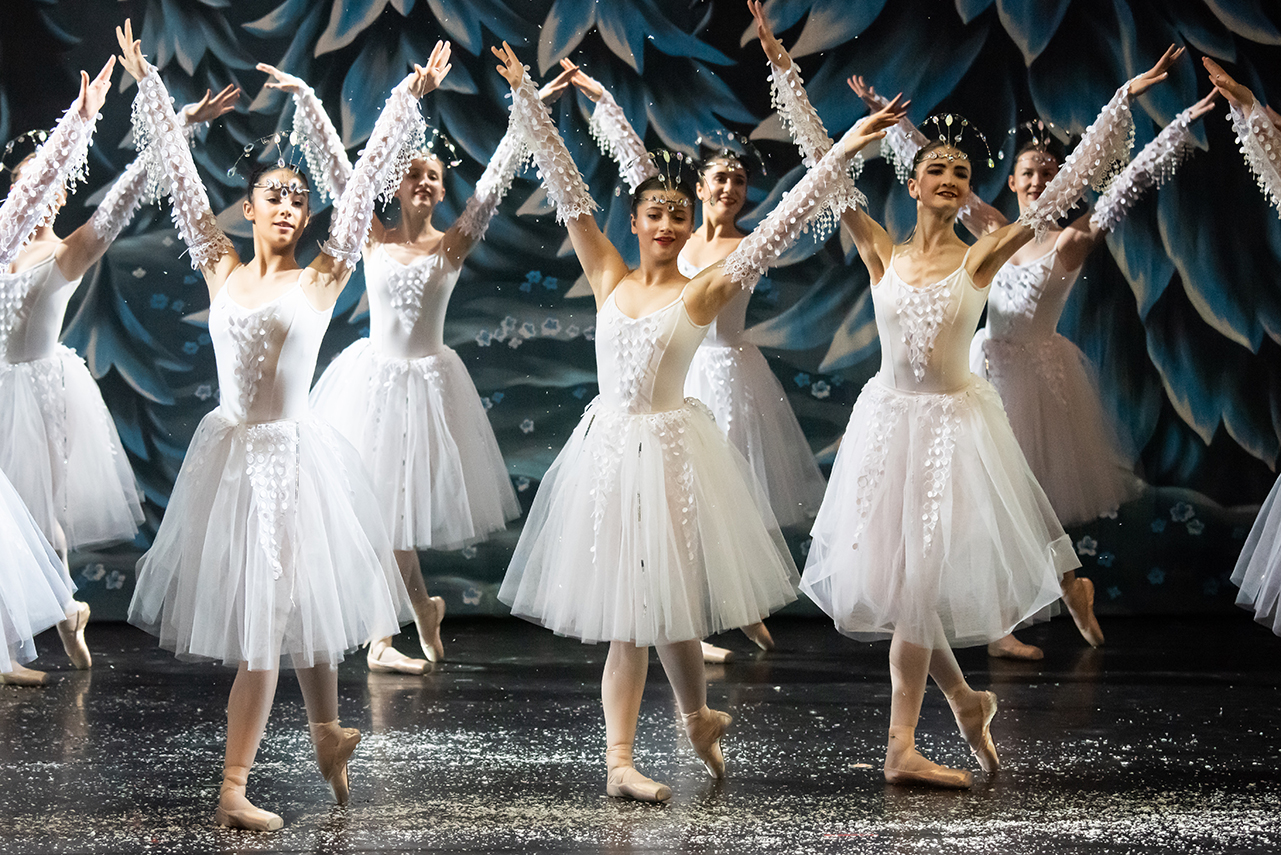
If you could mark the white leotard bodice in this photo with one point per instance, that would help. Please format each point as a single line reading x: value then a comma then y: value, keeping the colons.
x: 641, y: 362
x: 1028, y: 299
x: 407, y: 302
x: 726, y: 330
x: 266, y: 356
x: 926, y: 332
x: 32, y: 306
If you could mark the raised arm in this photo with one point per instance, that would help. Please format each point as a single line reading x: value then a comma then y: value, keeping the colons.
x: 326, y: 157
x: 470, y: 227
x: 82, y: 248
x: 34, y: 198
x: 171, y: 171
x: 378, y: 172
x: 611, y: 129
x: 1256, y: 132
x: 602, y: 264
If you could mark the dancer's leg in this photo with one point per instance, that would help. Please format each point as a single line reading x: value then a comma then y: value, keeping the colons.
x: 909, y: 665
x: 1078, y: 596
x: 759, y: 635
x: 714, y: 655
x: 72, y: 629
x: 973, y: 710
x: 1010, y: 647
x: 334, y: 743
x: 683, y: 662
x: 247, y: 710
x: 621, y: 686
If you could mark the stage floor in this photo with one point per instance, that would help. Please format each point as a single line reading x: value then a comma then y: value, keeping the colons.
x: 1168, y: 740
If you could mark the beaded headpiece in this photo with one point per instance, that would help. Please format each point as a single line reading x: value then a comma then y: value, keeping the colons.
x: 731, y: 148
x: 259, y: 148
x: 1038, y: 134
x: 951, y: 129
x: 25, y: 144
x: 435, y: 144
x: 669, y: 166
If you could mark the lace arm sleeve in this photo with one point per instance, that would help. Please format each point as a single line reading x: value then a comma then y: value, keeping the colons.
x: 615, y: 135
x: 33, y: 199
x: 492, y: 186
x: 162, y: 146
x: 564, y: 183
x: 1092, y: 163
x: 787, y: 92
x: 1152, y: 167
x: 321, y: 145
x: 821, y: 196
x: 1261, y: 144
x: 398, y: 133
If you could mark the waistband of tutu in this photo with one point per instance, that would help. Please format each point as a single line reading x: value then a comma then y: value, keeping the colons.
x: 881, y: 381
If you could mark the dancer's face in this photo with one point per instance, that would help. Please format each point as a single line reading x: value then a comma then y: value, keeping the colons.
x: 942, y: 180
x: 423, y: 186
x: 722, y: 188
x: 277, y: 207
x: 1032, y: 172
x: 662, y: 223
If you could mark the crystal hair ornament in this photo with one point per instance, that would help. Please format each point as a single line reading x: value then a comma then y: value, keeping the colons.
x: 31, y: 140
x: 735, y: 149
x: 951, y: 129
x: 1039, y: 135
x: 435, y: 144
x: 259, y: 149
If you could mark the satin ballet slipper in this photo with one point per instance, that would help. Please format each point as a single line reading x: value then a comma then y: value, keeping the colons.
x: 334, y: 744
x: 903, y: 765
x: 974, y: 720
x: 1011, y: 648
x: 714, y: 655
x: 625, y: 782
x: 1079, y: 599
x: 385, y: 659
x: 429, y: 630
x: 20, y: 676
x: 705, y: 728
x: 72, y: 633
x: 236, y: 811
x: 759, y: 635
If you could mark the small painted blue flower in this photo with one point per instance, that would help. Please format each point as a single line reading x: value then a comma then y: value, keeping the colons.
x: 498, y: 397
x: 178, y: 305
x: 572, y: 331
x: 115, y: 580
x: 1114, y: 593
x: 590, y: 333
x: 522, y: 483
x: 551, y: 283
x: 471, y: 596
x: 1106, y: 559
x: 1156, y: 576
x: 483, y: 338
x: 528, y: 330
x: 1182, y: 512
x: 1087, y: 546
x: 551, y: 326
x: 515, y: 342
x: 580, y: 392
x: 1158, y: 525
x: 1195, y: 526
x: 93, y: 572
x: 486, y: 403
x: 159, y: 301
x: 801, y: 380
x: 204, y: 391
x: 1210, y: 587
x: 527, y: 426
x: 190, y: 348
x: 820, y: 389
x: 468, y: 552
x: 204, y: 339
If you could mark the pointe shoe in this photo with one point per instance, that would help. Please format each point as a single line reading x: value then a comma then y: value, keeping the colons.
x: 334, y: 745
x: 974, y: 725
x: 429, y: 630
x: 385, y: 659
x: 714, y: 655
x: 910, y: 768
x: 1011, y: 648
x: 235, y: 811
x: 20, y: 676
x: 626, y: 783
x: 1079, y: 600
x: 72, y: 633
x: 705, y: 729
x: 759, y: 635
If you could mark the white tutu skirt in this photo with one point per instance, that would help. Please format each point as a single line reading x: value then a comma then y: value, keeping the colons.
x: 1258, y: 570
x: 749, y: 404
x: 35, y: 590
x: 60, y: 449
x: 272, y: 546
x: 419, y: 425
x: 933, y: 524
x: 648, y: 528
x: 1052, y: 399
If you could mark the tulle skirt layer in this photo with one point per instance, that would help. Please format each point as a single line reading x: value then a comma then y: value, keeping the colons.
x: 1258, y: 570
x: 35, y: 591
x: 648, y: 528
x: 272, y: 546
x: 932, y: 518
x: 749, y: 405
x: 1051, y: 396
x: 60, y: 449
x: 419, y: 425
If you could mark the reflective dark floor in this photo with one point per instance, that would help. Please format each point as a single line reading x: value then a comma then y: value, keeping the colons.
x: 1166, y: 741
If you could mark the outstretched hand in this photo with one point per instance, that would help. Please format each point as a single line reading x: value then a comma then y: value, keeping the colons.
x: 131, y: 52
x: 1156, y: 73
x: 558, y: 85
x: 426, y: 78
x: 93, y: 93
x: 511, y: 69
x: 212, y: 106
x: 1205, y: 105
x: 774, y: 50
x: 282, y: 80
x: 584, y: 82
x: 1238, y: 95
x: 873, y: 127
x: 867, y: 92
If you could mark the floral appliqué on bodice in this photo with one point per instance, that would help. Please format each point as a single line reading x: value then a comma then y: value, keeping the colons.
x: 405, y: 284
x: 922, y: 311
x: 1016, y: 293
x: 16, y: 296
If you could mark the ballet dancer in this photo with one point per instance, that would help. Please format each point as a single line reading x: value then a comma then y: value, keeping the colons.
x: 1047, y: 385
x: 82, y: 489
x: 1258, y: 132
x: 272, y: 549
x: 640, y: 533
x: 35, y: 588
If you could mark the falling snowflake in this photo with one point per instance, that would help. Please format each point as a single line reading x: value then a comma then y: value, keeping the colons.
x: 483, y: 338
x: 115, y: 580
x: 1195, y: 526
x: 1182, y: 512
x: 527, y: 426
x: 820, y: 389
x: 801, y: 380
x: 1156, y: 576
x: 204, y: 391
x: 1087, y: 546
x: 522, y: 484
